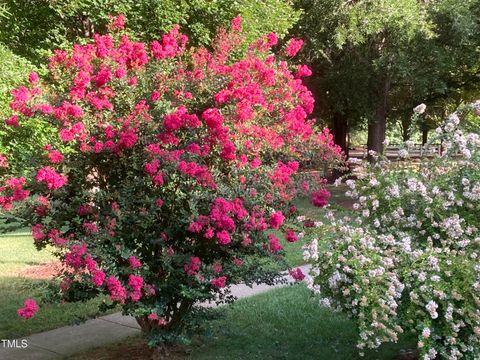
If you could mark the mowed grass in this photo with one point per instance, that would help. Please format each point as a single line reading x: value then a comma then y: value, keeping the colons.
x: 285, y: 323
x: 17, y: 252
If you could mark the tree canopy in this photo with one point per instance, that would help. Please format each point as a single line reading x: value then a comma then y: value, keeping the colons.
x: 377, y: 59
x: 31, y: 28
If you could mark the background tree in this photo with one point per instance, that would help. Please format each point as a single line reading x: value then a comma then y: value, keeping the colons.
x: 22, y: 145
x: 376, y: 59
x: 32, y: 27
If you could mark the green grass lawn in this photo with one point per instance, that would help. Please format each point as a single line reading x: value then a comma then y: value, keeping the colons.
x: 16, y: 253
x: 293, y: 251
x: 285, y: 323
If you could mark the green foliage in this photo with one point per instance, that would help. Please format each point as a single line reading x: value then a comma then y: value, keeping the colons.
x: 30, y: 138
x: 404, y: 52
x: 399, y: 21
x: 32, y: 28
x: 14, y: 72
x: 262, y: 17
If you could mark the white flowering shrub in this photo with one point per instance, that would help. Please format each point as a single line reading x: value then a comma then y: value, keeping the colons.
x: 408, y: 258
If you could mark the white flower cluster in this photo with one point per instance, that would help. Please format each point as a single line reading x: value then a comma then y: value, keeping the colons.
x: 409, y: 260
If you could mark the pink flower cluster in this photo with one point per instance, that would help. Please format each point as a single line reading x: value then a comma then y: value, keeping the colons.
x: 37, y: 232
x: 30, y: 308
x: 290, y: 236
x: 320, y: 198
x: 199, y: 172
x: 293, y: 47
x: 172, y: 44
x: 134, y: 262
x: 219, y: 282
x: 297, y: 274
x: 136, y: 283
x: 193, y: 266
x: 50, y: 177
x: 55, y: 156
x: 276, y: 219
x: 116, y: 290
x: 98, y: 278
x: 221, y: 220
x: 13, y: 191
x: 274, y: 244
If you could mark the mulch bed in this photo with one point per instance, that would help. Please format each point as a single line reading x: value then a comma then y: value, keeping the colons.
x: 42, y: 271
x: 136, y: 350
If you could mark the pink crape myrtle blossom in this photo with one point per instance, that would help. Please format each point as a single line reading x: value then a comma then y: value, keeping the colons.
x: 297, y: 274
x: 168, y: 168
x: 320, y: 198
x: 51, y: 178
x: 219, y: 282
x: 30, y: 308
x: 276, y: 220
x: 293, y: 47
x: 134, y: 262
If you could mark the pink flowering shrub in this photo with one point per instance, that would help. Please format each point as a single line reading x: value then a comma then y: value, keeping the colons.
x: 170, y: 167
x: 408, y: 259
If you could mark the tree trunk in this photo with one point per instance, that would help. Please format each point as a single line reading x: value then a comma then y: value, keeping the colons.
x: 340, y: 131
x: 174, y: 318
x: 406, y: 123
x: 146, y: 325
x: 424, y: 136
x: 378, y: 124
x: 376, y: 133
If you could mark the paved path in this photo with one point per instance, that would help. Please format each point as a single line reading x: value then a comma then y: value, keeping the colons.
x: 68, y: 340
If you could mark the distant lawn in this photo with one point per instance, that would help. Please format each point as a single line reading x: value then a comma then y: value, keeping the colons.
x: 338, y: 202
x: 17, y: 252
x: 284, y: 323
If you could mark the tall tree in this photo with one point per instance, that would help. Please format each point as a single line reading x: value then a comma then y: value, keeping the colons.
x: 377, y: 59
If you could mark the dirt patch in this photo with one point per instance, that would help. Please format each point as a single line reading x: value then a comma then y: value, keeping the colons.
x: 338, y: 196
x: 136, y: 350
x: 412, y: 354
x: 42, y: 271
x: 347, y: 203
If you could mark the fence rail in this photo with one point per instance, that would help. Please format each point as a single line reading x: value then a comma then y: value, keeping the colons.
x: 392, y: 150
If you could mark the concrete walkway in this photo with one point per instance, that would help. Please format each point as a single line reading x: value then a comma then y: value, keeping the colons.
x: 68, y: 340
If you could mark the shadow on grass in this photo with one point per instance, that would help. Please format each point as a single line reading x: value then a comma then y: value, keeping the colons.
x: 285, y: 323
x: 29, y: 263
